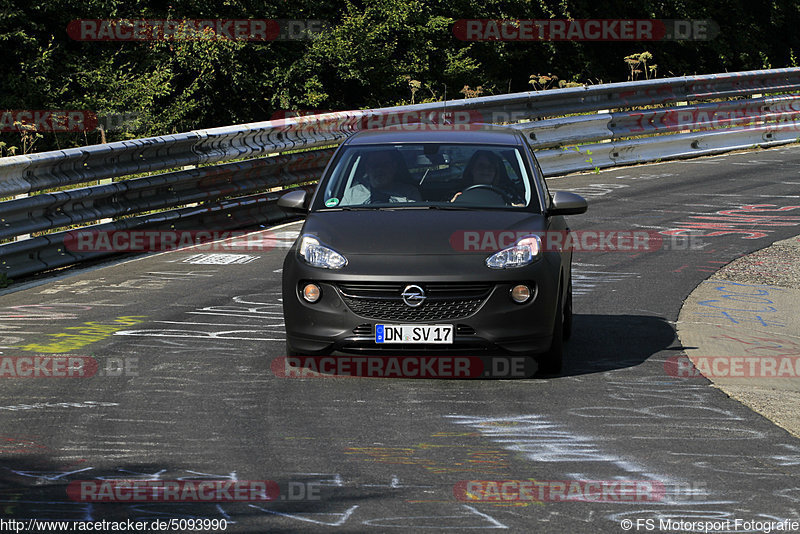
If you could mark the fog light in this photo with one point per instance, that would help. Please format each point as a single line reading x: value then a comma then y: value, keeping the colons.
x: 311, y: 292
x: 520, y: 293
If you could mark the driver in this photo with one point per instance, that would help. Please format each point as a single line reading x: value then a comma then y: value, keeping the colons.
x: 486, y: 168
x: 384, y: 171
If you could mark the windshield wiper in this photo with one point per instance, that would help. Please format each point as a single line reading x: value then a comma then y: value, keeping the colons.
x: 412, y: 206
x: 408, y: 206
x: 348, y: 208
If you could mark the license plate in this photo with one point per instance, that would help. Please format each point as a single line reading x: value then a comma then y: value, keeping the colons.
x: 414, y: 333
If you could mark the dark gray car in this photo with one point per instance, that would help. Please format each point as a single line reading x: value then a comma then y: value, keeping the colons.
x: 435, y: 241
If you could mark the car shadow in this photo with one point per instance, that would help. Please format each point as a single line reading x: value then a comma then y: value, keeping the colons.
x: 606, y: 342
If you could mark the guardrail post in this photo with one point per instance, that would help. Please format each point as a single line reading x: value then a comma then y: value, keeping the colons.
x: 188, y: 168
x: 23, y: 236
x: 103, y: 181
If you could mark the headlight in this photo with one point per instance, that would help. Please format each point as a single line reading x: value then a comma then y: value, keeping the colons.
x: 318, y: 255
x: 525, y: 252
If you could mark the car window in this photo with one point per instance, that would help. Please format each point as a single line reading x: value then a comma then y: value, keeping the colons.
x: 429, y: 174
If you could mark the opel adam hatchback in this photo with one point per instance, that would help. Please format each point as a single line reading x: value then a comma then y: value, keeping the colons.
x: 430, y: 242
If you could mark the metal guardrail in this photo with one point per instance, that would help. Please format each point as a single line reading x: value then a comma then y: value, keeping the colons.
x: 64, y: 208
x: 672, y: 127
x: 695, y: 130
x: 733, y: 113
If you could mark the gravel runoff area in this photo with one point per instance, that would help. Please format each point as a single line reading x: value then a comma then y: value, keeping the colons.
x: 761, y: 292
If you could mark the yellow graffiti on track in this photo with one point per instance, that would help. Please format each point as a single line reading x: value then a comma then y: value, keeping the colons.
x: 85, y: 334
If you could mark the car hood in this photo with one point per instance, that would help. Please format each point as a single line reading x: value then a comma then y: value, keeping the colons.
x: 413, y: 231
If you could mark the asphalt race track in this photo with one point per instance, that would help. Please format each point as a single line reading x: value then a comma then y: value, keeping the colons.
x: 185, y: 391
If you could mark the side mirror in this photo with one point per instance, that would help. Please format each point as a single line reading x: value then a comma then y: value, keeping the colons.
x: 294, y: 201
x: 565, y: 203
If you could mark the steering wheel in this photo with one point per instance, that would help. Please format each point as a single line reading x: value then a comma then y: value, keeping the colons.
x: 484, y: 187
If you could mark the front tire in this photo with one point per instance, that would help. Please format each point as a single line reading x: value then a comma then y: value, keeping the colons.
x: 290, y: 352
x: 552, y: 361
x: 568, y: 313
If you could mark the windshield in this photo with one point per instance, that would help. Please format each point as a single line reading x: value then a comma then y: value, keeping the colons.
x: 435, y: 175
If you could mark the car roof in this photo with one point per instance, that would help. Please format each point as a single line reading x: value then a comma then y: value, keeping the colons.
x: 488, y: 134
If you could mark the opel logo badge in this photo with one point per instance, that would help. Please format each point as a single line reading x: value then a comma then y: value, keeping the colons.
x: 413, y: 296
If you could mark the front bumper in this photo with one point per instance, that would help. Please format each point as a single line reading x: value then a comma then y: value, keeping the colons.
x: 496, y: 324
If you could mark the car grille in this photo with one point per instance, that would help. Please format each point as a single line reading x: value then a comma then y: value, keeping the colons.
x: 464, y: 330
x: 445, y: 301
x: 364, y: 330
